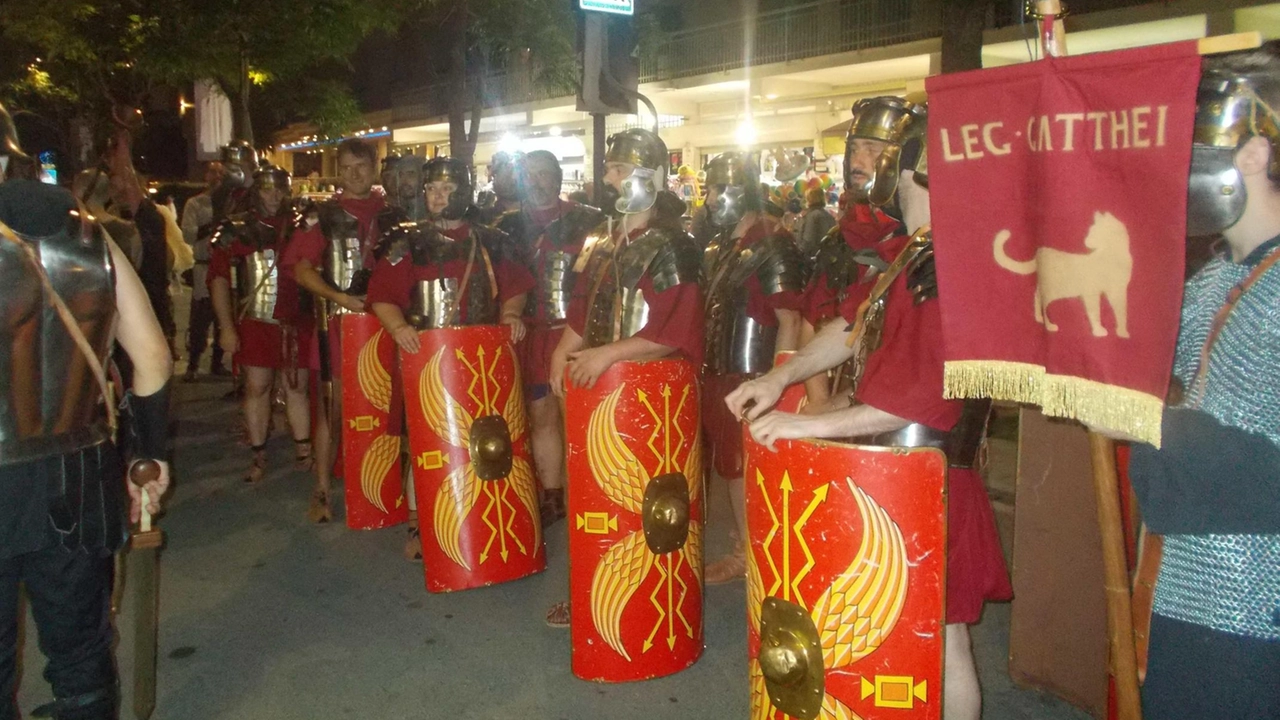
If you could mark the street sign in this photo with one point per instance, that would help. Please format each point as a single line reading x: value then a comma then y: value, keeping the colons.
x: 619, y: 7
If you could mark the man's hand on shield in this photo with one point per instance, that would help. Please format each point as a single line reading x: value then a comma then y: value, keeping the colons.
x: 754, y: 398
x: 586, y: 366
x: 407, y: 338
x: 351, y: 302
x: 785, y: 426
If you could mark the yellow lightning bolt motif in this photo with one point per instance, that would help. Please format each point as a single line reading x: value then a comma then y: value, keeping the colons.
x: 657, y: 430
x: 787, y: 489
x: 768, y: 539
x: 684, y: 592
x: 819, y: 497
x: 504, y: 498
x: 494, y: 533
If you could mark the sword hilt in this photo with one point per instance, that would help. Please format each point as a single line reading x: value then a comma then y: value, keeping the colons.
x: 141, y: 473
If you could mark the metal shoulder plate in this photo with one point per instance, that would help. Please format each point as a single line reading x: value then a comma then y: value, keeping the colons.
x: 512, y: 223
x: 234, y: 228
x: 500, y: 246
x: 335, y: 220
x: 597, y: 243
x: 574, y: 225
x: 777, y: 263
x: 671, y: 257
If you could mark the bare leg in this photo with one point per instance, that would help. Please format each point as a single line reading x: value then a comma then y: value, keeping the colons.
x: 319, y: 509
x: 547, y: 439
x: 733, y: 566
x: 297, y: 407
x: 413, y: 543
x: 962, y: 695
x: 257, y: 414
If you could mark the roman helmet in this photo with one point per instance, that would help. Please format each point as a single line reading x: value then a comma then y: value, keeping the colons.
x: 734, y: 176
x: 272, y: 176
x: 1228, y: 113
x: 10, y: 150
x: 647, y: 154
x: 241, y: 161
x: 447, y: 169
x: 891, y: 120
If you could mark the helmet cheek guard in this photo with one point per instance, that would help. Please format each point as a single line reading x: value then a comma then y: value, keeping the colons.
x: 639, y: 191
x: 1228, y: 113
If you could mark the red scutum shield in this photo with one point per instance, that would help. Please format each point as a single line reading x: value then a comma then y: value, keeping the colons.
x: 475, y: 531
x: 856, y: 537
x: 370, y: 424
x: 636, y: 614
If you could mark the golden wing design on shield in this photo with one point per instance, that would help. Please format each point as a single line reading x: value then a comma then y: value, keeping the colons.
x: 692, y: 550
x: 859, y: 610
x: 375, y: 381
x: 616, y: 469
x: 755, y: 591
x: 514, y: 412
x: 447, y: 418
x: 761, y: 707
x: 693, y: 466
x: 454, y: 502
x: 377, y: 462
x: 526, y: 487
x: 833, y: 709
x: 616, y: 579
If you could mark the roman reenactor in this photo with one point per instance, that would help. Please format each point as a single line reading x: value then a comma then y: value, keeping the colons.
x: 502, y: 176
x: 68, y: 291
x: 755, y: 280
x: 549, y: 233
x: 1212, y: 490
x: 258, y: 312
x: 846, y: 259
x: 627, y: 365
x: 450, y: 293
x: 402, y: 179
x: 897, y: 398
x: 332, y: 259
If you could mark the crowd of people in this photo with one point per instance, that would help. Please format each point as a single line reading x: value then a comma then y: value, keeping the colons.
x: 581, y: 291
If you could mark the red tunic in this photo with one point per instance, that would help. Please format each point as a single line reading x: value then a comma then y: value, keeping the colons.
x: 861, y: 227
x: 675, y: 314
x: 904, y: 377
x: 393, y: 283
x: 264, y: 344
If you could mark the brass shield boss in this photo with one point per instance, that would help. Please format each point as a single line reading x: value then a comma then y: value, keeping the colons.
x: 666, y: 513
x: 491, y: 447
x: 791, y: 659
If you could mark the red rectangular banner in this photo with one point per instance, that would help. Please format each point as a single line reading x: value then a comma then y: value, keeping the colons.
x: 1058, y: 196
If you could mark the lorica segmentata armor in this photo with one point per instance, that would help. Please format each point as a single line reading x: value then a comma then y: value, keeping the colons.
x: 439, y: 302
x: 50, y: 402
x: 555, y: 248
x: 736, y: 342
x: 257, y: 283
x: 617, y: 307
x: 343, y: 257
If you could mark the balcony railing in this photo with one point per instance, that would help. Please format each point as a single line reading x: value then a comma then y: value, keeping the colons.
x: 824, y: 27
x: 803, y: 31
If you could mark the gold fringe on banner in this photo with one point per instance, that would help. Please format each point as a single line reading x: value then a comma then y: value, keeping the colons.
x: 1102, y: 406
x: 996, y: 379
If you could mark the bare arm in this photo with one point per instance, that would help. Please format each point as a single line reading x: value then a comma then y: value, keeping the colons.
x: 855, y: 421
x: 138, y: 331
x: 818, y: 387
x: 827, y: 350
x: 570, y: 342
x: 586, y: 366
x: 392, y: 318
x: 788, y: 330
x: 220, y: 293
x: 512, y: 316
x: 309, y: 279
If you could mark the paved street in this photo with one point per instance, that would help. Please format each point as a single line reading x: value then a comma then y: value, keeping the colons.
x: 266, y: 617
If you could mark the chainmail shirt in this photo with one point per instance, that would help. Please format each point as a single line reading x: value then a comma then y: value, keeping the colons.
x: 1230, y: 583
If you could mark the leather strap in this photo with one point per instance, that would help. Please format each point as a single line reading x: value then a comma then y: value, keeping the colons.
x: 68, y: 319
